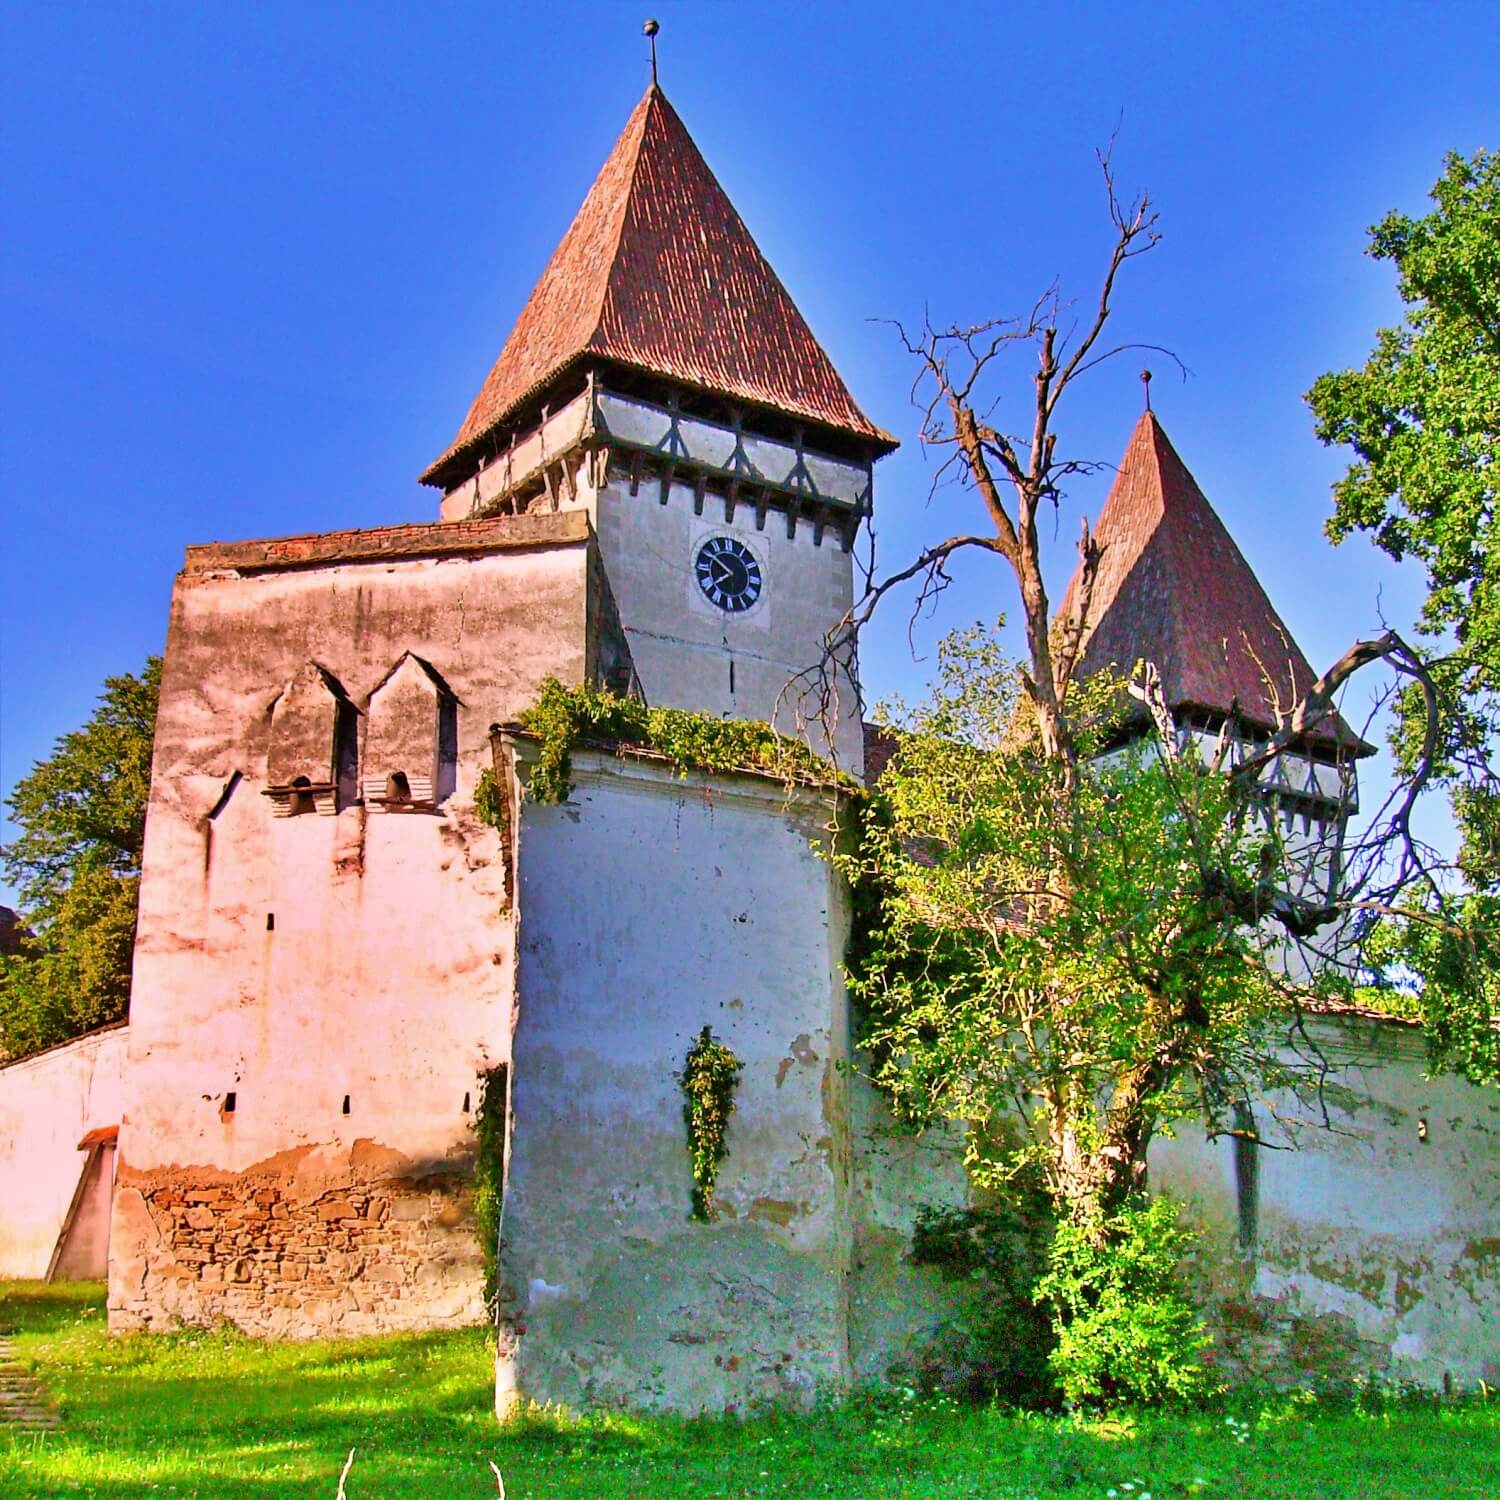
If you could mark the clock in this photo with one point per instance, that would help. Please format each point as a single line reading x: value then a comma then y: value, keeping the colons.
x: 728, y: 574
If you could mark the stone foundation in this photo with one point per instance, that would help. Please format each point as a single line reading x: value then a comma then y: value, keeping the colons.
x: 280, y: 1255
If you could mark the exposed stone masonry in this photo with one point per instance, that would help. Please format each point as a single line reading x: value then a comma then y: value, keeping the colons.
x: 357, y: 1258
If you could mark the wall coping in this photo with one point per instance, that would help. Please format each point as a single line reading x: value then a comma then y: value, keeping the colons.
x: 96, y: 1035
x: 380, y: 543
x: 651, y: 771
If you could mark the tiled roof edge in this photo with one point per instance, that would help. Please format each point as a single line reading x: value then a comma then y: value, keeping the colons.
x: 379, y: 543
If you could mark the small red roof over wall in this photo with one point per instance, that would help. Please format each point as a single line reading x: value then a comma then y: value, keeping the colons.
x: 659, y: 272
x: 1173, y: 588
x: 11, y: 931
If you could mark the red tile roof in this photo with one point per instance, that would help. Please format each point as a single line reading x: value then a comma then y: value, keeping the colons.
x: 659, y: 272
x: 1173, y: 588
x: 11, y: 931
x: 880, y: 748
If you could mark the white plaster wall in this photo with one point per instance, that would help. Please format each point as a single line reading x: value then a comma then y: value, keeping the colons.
x: 1378, y: 1243
x: 683, y: 645
x: 651, y: 907
x: 294, y: 961
x: 897, y: 1308
x: 47, y: 1104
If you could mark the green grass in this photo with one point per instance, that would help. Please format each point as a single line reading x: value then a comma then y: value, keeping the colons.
x: 215, y: 1415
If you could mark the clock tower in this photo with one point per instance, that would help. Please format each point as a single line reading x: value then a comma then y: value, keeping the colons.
x: 661, y: 379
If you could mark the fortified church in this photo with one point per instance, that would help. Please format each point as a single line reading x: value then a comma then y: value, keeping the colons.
x: 656, y: 489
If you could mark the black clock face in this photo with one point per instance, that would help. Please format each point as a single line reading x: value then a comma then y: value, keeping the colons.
x: 728, y: 574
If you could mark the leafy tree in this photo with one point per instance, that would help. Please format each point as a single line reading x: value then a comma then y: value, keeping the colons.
x: 1086, y: 939
x: 1066, y: 958
x: 1423, y: 420
x: 76, y: 865
x: 1058, y: 956
x: 1083, y: 862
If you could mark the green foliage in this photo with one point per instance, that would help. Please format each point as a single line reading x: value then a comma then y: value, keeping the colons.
x: 709, y: 1076
x: 76, y: 976
x: 1457, y: 994
x: 489, y: 1176
x: 1048, y: 947
x: 489, y: 805
x: 215, y: 1414
x: 999, y: 1348
x: 1423, y: 415
x: 565, y: 718
x: 1422, y: 418
x: 76, y: 863
x: 1125, y: 1332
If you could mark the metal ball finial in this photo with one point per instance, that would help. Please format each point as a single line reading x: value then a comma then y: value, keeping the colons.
x: 1146, y: 383
x: 651, y: 27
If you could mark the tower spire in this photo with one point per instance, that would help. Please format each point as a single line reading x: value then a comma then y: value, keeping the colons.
x: 658, y: 273
x: 1173, y: 588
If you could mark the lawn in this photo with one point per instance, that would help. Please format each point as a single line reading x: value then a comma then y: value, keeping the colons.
x: 215, y: 1415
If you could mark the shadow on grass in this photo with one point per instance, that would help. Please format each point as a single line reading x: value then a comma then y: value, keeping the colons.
x: 39, y: 1307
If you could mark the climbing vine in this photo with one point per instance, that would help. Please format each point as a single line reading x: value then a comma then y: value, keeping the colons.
x: 709, y: 1076
x: 489, y: 805
x: 564, y: 718
x: 489, y: 1176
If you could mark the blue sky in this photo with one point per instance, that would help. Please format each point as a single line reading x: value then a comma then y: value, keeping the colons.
x: 258, y: 259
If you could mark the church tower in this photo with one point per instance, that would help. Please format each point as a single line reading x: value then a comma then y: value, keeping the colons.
x: 661, y: 379
x: 1173, y: 589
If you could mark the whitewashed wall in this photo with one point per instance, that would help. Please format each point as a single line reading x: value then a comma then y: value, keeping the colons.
x: 650, y: 907
x: 1376, y: 1236
x: 341, y: 980
x: 47, y: 1104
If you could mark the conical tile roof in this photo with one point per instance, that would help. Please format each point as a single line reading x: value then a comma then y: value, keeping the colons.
x: 1173, y: 588
x: 659, y: 272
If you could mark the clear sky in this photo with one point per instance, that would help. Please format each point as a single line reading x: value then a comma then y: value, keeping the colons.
x: 257, y: 259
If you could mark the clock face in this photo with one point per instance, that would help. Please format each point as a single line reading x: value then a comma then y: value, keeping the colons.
x: 728, y: 574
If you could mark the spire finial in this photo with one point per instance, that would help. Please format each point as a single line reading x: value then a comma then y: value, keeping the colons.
x: 651, y: 28
x: 1146, y: 384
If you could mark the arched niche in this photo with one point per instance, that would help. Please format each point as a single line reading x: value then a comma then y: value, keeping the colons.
x: 411, y: 739
x: 311, y: 757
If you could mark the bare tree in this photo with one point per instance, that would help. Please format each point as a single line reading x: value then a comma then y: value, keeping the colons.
x: 1015, y: 475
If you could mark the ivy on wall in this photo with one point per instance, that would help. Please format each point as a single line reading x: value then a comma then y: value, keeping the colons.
x: 564, y: 718
x: 489, y: 805
x: 709, y: 1076
x: 489, y: 1176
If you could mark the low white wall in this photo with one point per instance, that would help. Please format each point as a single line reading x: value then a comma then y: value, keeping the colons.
x: 1369, y: 1242
x: 652, y: 906
x: 47, y: 1104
